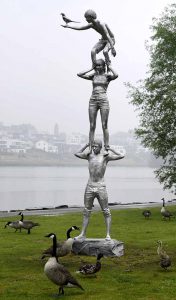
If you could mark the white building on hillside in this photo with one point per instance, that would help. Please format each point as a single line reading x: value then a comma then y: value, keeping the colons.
x: 45, y: 146
x: 74, y: 138
x: 14, y: 145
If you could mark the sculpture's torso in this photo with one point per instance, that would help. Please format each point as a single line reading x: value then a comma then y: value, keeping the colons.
x: 97, y: 168
x: 100, y: 84
x: 102, y: 29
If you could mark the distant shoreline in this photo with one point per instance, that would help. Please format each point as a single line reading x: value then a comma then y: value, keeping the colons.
x: 40, y: 162
x: 67, y: 164
x: 64, y: 209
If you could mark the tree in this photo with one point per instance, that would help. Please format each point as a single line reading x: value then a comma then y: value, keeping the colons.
x: 155, y: 97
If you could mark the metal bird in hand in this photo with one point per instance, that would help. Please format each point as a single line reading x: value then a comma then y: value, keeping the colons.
x: 66, y: 20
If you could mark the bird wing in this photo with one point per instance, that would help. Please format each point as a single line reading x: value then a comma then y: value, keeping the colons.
x: 28, y: 224
x: 68, y: 278
x: 55, y: 274
x: 67, y: 20
x: 165, y: 262
x: 50, y: 249
x: 88, y: 269
x: 167, y: 213
x: 16, y: 224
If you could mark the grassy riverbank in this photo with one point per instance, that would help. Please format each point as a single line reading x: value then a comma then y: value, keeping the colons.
x: 136, y: 275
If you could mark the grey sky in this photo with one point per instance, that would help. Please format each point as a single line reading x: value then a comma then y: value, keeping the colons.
x: 40, y: 59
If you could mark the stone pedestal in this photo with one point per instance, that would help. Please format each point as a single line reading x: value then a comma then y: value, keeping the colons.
x: 92, y: 247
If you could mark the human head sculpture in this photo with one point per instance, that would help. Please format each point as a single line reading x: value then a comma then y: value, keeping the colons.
x: 100, y: 65
x: 97, y: 145
x: 90, y: 15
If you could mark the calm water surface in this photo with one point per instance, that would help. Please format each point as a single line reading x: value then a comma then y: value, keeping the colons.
x: 26, y: 187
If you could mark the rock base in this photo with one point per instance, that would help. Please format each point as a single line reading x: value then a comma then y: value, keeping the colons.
x: 92, y: 247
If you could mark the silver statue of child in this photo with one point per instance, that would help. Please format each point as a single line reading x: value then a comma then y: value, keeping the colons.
x: 96, y: 187
x: 107, y: 40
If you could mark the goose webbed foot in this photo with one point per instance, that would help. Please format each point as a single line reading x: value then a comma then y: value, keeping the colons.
x: 61, y: 292
x: 56, y: 295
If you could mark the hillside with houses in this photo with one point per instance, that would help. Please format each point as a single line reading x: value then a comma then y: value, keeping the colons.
x: 24, y: 145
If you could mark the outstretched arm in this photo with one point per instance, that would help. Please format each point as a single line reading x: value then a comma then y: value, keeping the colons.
x: 78, y: 28
x: 114, y: 155
x: 84, y: 74
x: 113, y: 74
x: 82, y: 154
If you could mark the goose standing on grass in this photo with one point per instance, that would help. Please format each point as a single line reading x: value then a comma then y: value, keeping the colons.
x: 28, y: 225
x: 89, y: 269
x: 56, y: 272
x: 62, y: 248
x: 13, y: 224
x: 164, y: 212
x: 146, y: 213
x: 163, y: 209
x: 165, y: 260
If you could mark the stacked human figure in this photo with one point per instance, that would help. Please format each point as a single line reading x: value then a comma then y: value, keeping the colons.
x: 100, y: 73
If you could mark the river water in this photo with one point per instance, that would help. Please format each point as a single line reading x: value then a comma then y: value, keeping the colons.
x: 36, y: 187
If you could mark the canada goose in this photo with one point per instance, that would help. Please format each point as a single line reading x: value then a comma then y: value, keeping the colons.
x: 164, y: 212
x: 56, y: 272
x: 165, y: 260
x: 163, y: 209
x: 27, y: 224
x: 146, y: 213
x: 91, y: 268
x: 62, y: 248
x: 13, y: 224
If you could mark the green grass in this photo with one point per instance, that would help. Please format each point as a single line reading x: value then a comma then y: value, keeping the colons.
x: 136, y: 275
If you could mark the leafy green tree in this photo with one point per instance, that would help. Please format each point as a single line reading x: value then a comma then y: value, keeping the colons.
x: 155, y: 97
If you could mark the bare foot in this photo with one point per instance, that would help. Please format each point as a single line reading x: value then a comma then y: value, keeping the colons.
x: 80, y: 237
x: 108, y: 238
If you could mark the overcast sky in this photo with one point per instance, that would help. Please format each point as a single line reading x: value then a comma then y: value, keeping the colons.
x: 39, y: 61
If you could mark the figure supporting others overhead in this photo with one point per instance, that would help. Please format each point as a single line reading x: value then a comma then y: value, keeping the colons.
x: 96, y: 187
x: 99, y: 101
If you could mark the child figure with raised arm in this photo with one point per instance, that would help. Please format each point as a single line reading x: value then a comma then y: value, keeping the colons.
x: 107, y: 40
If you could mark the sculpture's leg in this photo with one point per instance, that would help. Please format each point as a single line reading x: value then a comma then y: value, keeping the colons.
x: 93, y: 57
x: 107, y: 216
x: 104, y: 120
x: 103, y: 201
x: 92, y: 119
x: 96, y: 49
x: 86, y: 217
x: 88, y: 203
x: 107, y: 59
x: 106, y: 53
